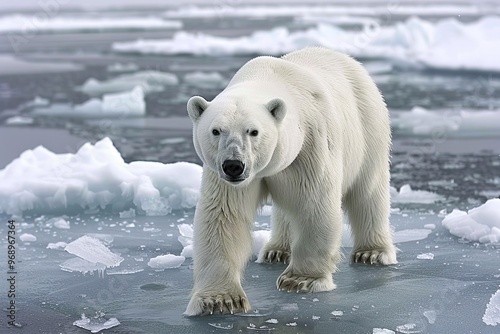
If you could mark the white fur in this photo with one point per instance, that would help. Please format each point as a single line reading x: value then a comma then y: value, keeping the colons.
x: 323, y: 142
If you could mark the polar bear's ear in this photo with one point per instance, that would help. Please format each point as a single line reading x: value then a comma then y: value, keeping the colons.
x: 277, y: 108
x: 196, y: 106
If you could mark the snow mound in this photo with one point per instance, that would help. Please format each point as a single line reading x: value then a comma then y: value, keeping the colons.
x: 205, y: 79
x: 478, y: 224
x: 123, y: 104
x: 407, y: 195
x: 95, y: 177
x: 168, y: 261
x: 492, y: 314
x: 149, y: 81
x: 93, y: 250
x: 22, y: 23
x: 95, y: 325
x: 458, y: 123
x: 415, y: 42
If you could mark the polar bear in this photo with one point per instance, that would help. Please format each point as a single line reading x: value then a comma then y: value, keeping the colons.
x: 310, y: 130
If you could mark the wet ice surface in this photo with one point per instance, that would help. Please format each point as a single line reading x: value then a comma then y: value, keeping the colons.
x: 445, y: 157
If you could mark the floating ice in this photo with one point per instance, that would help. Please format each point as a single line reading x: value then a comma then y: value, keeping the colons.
x: 22, y: 23
x: 205, y: 79
x: 77, y: 264
x: 60, y: 245
x: 431, y: 316
x: 478, y: 224
x: 221, y: 325
x: 425, y: 256
x: 96, y: 325
x: 492, y: 314
x: 62, y: 224
x: 407, y: 195
x: 95, y: 177
x: 37, y: 102
x: 411, y: 235
x: 430, y: 226
x: 119, y: 67
x: 383, y: 331
x: 337, y: 313
x: 93, y: 250
x: 407, y: 328
x: 272, y: 321
x: 19, y: 120
x: 166, y: 262
x: 26, y: 237
x: 124, y: 104
x: 12, y: 65
x: 456, y: 123
x: 291, y: 324
x: 415, y: 42
x: 127, y: 214
x: 149, y: 81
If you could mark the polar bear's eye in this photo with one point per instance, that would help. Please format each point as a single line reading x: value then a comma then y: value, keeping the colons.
x: 215, y: 132
x: 254, y: 133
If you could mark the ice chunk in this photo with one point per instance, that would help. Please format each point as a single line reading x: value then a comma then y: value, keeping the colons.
x: 57, y: 23
x: 383, y: 331
x: 62, y: 224
x: 37, y: 102
x: 425, y: 256
x: 272, y: 321
x: 456, y: 123
x: 128, y: 213
x: 291, y: 324
x: 337, y: 313
x: 166, y: 262
x: 430, y: 226
x: 149, y: 81
x: 119, y: 67
x: 95, y: 177
x: 221, y: 325
x: 492, y: 314
x: 19, y: 120
x: 205, y: 79
x: 122, y: 104
x: 83, y: 266
x: 411, y: 235
x: 95, y: 325
x: 57, y: 245
x: 93, y: 250
x: 478, y: 224
x: 431, y: 316
x: 407, y: 195
x: 407, y: 328
x: 26, y: 237
x: 415, y: 42
x: 260, y: 238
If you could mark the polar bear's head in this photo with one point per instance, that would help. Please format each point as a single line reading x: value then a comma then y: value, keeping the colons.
x: 236, y: 138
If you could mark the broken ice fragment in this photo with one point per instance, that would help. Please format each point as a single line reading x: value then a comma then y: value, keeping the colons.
x: 168, y: 261
x: 425, y: 256
x: 93, y: 250
x: 26, y: 237
x: 83, y: 266
x: 95, y: 325
x: 492, y: 314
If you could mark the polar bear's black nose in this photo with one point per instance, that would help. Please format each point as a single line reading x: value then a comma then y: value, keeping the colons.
x: 233, y: 168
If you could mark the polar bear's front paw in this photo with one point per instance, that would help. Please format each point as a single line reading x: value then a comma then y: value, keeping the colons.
x: 219, y: 303
x: 300, y: 283
x: 375, y: 256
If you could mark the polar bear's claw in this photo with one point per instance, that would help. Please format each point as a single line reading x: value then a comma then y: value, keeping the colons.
x: 375, y: 256
x: 299, y: 283
x: 222, y: 303
x: 275, y: 256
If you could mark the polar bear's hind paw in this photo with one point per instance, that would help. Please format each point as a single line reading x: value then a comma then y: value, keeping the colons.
x: 290, y: 282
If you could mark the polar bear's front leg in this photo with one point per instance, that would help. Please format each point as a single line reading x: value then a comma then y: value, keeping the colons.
x: 222, y: 245
x: 277, y: 250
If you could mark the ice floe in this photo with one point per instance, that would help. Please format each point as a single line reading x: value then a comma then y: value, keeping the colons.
x: 21, y: 23
x: 408, y: 195
x: 492, y: 314
x: 205, y: 79
x: 149, y: 81
x: 168, y: 261
x: 95, y: 177
x: 93, y: 250
x: 19, y: 120
x: 445, y: 44
x: 456, y: 123
x: 95, y: 325
x: 478, y: 224
x: 119, y: 67
x: 124, y: 104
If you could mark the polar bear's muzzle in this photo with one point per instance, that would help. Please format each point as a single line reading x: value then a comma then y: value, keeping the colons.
x: 233, y: 171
